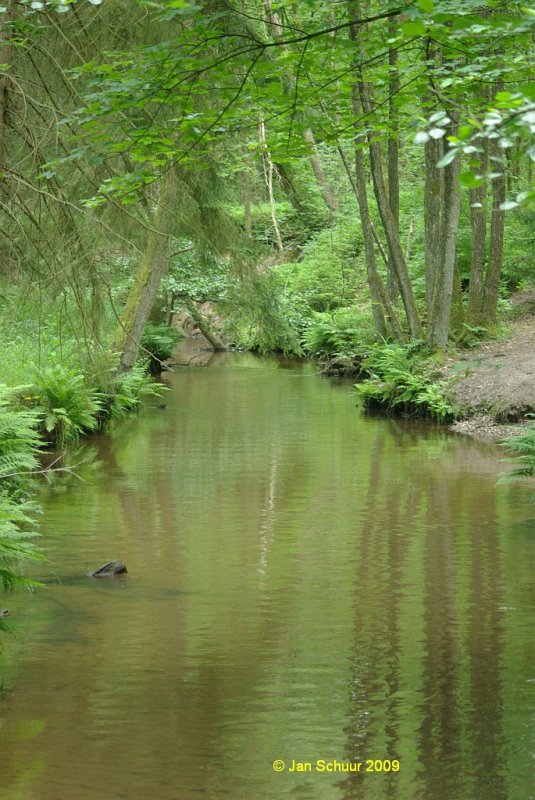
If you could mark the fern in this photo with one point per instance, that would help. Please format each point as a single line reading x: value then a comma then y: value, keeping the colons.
x: 67, y: 406
x: 342, y: 334
x: 399, y: 380
x: 19, y: 447
x: 523, y: 449
x: 129, y: 388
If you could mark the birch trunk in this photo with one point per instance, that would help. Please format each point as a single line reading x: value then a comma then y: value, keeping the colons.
x: 321, y: 179
x: 268, y: 174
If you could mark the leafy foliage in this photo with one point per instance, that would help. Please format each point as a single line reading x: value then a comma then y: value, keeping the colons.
x: 129, y: 389
x: 260, y: 317
x: 522, y: 448
x: 19, y: 445
x: 159, y: 341
x: 68, y: 408
x: 401, y: 381
x: 325, y: 278
x: 346, y: 333
x: 196, y: 274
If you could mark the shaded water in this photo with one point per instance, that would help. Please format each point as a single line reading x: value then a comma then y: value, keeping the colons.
x: 304, y: 583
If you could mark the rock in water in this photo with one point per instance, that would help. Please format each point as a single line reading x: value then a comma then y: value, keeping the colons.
x: 109, y: 569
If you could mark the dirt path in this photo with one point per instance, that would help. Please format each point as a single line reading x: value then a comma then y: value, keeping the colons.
x: 495, y: 382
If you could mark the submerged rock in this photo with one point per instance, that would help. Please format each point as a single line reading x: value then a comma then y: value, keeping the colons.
x: 109, y: 569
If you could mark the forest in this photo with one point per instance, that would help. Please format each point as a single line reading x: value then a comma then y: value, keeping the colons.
x: 347, y: 181
x: 264, y: 264
x: 344, y: 181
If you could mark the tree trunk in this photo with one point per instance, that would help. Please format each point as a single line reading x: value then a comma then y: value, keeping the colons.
x: 202, y: 324
x: 478, y: 220
x: 245, y: 186
x: 268, y: 173
x: 439, y: 321
x: 289, y: 187
x: 380, y: 299
x: 6, y: 59
x: 457, y: 305
x: 393, y: 149
x: 323, y: 184
x: 395, y: 250
x: 152, y: 268
x: 497, y: 226
x: 433, y: 206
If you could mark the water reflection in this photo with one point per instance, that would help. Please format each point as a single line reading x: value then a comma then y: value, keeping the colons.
x: 304, y: 584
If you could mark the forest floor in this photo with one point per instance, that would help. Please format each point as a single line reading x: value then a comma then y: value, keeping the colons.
x: 494, y: 383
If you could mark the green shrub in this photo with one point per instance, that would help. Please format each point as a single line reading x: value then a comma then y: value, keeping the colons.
x: 326, y: 277
x: 159, y: 342
x: 129, y: 388
x: 67, y: 406
x: 522, y: 448
x: 519, y: 242
x: 403, y: 382
x: 257, y: 317
x: 19, y: 446
x: 295, y: 227
x: 343, y: 334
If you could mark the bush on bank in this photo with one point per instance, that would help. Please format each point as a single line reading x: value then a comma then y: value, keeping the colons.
x: 60, y: 405
x: 400, y: 382
x: 19, y: 449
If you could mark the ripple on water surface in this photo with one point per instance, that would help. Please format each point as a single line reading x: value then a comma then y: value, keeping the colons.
x: 304, y: 583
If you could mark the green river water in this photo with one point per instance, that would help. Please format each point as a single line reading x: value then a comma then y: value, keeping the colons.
x: 305, y: 584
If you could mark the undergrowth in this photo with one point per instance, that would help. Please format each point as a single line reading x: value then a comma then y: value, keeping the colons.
x: 19, y: 448
x: 159, y: 342
x: 403, y: 382
x: 522, y: 450
x: 342, y: 334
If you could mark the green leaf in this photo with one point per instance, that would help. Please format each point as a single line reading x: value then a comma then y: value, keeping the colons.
x: 470, y: 180
x: 527, y: 89
x: 413, y: 28
x: 426, y: 5
x: 421, y: 137
x: 447, y: 158
x: 465, y: 131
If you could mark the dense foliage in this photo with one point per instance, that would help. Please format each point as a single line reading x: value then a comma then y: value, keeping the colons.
x: 343, y: 180
x: 521, y: 448
x: 19, y: 446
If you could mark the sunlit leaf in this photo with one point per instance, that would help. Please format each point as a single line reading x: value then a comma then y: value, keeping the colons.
x: 447, y: 158
x: 413, y: 28
x: 470, y: 180
x: 421, y: 137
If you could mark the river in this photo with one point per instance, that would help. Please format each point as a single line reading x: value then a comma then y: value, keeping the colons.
x: 306, y: 585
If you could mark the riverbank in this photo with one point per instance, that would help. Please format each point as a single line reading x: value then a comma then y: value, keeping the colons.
x: 493, y: 384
